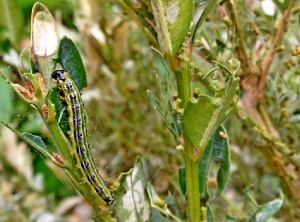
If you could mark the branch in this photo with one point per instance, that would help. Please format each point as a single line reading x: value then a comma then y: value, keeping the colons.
x: 268, y: 58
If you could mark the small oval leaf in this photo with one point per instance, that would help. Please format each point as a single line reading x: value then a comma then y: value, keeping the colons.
x: 266, y: 211
x: 70, y: 59
x: 35, y: 141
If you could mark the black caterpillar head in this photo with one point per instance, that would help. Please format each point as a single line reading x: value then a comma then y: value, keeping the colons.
x: 59, y: 74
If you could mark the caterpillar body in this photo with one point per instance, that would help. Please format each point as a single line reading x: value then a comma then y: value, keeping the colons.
x: 78, y: 135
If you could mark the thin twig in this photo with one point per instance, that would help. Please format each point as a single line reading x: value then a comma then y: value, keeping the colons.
x: 268, y: 58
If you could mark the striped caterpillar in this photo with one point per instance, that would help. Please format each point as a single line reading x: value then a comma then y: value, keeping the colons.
x: 78, y: 134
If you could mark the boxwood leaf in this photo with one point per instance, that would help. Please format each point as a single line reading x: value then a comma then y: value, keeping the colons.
x: 35, y: 141
x: 172, y: 19
x: 70, y: 59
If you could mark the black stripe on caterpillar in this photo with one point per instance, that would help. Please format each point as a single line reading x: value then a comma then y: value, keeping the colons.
x: 77, y: 133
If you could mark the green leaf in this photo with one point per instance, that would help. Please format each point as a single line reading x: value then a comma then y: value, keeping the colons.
x: 209, y: 216
x: 282, y: 4
x: 170, y: 201
x: 173, y: 125
x: 267, y: 210
x: 35, y: 141
x: 206, y: 12
x: 202, y: 118
x: 11, y: 17
x: 216, y: 150
x: 157, y: 216
x: 61, y: 114
x: 159, y: 204
x: 181, y: 179
x: 6, y: 98
x: 172, y: 19
x: 220, y: 45
x: 230, y: 219
x: 71, y: 62
x: 131, y: 201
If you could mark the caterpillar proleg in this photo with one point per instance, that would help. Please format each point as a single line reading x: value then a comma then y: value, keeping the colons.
x: 77, y: 133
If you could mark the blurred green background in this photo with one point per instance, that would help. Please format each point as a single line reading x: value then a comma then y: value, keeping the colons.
x: 121, y: 66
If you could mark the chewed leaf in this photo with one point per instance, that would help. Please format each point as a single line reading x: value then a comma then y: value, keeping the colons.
x: 172, y: 19
x: 216, y: 150
x: 201, y: 119
x: 267, y: 210
x: 131, y: 201
x: 35, y: 141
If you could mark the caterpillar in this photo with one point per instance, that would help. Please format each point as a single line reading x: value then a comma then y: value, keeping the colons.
x: 78, y: 134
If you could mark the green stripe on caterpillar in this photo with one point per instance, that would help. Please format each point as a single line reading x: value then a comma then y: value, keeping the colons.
x: 78, y: 135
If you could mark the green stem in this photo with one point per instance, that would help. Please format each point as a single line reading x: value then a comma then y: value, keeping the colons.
x: 192, y: 182
x: 191, y: 166
x: 62, y: 146
x: 74, y: 175
x: 58, y: 139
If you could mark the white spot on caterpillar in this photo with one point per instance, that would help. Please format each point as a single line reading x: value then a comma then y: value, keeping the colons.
x: 172, y: 12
